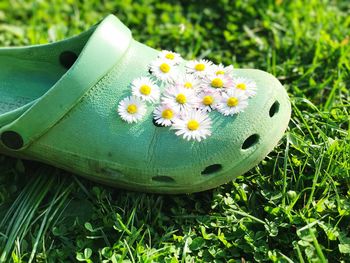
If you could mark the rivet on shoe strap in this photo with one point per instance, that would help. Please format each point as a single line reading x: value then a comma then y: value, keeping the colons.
x: 67, y: 59
x: 12, y: 140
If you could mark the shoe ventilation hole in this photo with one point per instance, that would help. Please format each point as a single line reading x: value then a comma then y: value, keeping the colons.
x: 67, y: 59
x: 274, y: 108
x: 12, y: 140
x: 163, y: 179
x: 250, y: 141
x: 211, y: 169
x: 156, y: 124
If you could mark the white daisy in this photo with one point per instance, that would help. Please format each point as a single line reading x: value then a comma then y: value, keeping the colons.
x: 248, y: 86
x: 208, y: 100
x: 199, y: 67
x: 217, y: 82
x: 170, y: 56
x: 232, y: 102
x: 163, y: 70
x: 195, y: 125
x: 180, y: 99
x: 188, y: 81
x: 145, y: 89
x: 164, y: 115
x: 131, y: 109
x: 222, y: 70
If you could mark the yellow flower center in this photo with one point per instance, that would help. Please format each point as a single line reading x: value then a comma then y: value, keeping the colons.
x: 200, y: 67
x: 241, y: 86
x: 193, y: 125
x: 217, y: 83
x: 220, y: 72
x: 188, y: 85
x: 181, y: 98
x: 232, y: 102
x: 165, y: 68
x: 132, y: 108
x: 208, y: 100
x: 145, y: 89
x: 170, y: 56
x: 167, y: 114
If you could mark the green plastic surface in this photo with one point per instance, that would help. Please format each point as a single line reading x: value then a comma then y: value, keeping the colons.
x: 67, y: 117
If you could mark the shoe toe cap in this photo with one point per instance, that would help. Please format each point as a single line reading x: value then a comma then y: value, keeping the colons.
x: 237, y: 143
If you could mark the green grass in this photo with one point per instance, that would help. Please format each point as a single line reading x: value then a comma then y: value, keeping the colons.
x: 293, y: 207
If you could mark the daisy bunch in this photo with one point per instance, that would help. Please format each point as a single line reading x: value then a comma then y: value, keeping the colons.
x: 189, y: 96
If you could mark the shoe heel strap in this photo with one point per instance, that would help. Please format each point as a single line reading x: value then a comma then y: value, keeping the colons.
x: 105, y: 48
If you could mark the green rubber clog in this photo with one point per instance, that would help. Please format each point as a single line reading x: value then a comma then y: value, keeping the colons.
x: 84, y: 105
